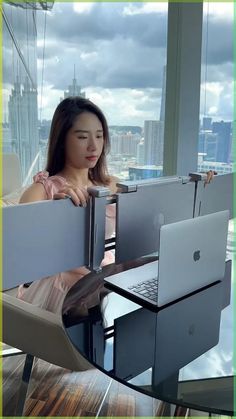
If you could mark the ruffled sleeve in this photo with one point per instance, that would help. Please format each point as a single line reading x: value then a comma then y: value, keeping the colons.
x: 110, y: 220
x: 52, y: 184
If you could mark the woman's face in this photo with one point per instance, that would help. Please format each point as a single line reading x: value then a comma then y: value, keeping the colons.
x: 84, y: 141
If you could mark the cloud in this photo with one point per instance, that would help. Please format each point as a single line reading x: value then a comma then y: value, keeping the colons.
x: 217, y: 46
x: 217, y: 99
x: 105, y: 21
x: 121, y: 47
x: 132, y: 66
x: 80, y: 7
x: 146, y: 8
x: 220, y: 10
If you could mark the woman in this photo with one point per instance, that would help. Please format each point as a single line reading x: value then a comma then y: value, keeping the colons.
x: 78, y: 144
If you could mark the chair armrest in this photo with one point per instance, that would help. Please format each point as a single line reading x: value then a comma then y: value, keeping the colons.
x: 39, y: 333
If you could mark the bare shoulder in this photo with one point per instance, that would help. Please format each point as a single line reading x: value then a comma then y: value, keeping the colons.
x: 35, y: 192
x: 112, y: 185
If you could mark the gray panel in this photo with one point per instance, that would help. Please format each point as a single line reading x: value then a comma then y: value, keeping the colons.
x: 134, y: 343
x: 186, y: 330
x: 226, y: 284
x: 217, y: 196
x: 42, y: 239
x: 140, y: 215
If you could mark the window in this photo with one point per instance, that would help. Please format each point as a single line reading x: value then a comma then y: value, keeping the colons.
x: 20, y: 109
x: 216, y: 111
x: 115, y: 55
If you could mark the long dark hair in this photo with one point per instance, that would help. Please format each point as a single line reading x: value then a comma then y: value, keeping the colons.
x: 64, y: 116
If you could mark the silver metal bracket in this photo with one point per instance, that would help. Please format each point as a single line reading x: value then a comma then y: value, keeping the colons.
x: 98, y: 218
x: 185, y: 180
x: 197, y: 176
x: 132, y: 186
x: 98, y: 191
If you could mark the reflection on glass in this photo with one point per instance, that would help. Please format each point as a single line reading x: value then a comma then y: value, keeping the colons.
x: 20, y: 129
x: 120, y: 65
x: 216, y: 113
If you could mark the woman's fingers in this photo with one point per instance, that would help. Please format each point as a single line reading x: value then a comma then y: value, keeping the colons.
x: 79, y: 196
x: 210, y: 176
x: 82, y: 195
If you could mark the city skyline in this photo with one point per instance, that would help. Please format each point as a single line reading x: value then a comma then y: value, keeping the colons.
x: 138, y: 93
x: 119, y: 64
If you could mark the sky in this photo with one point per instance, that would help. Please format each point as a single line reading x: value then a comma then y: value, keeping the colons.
x: 119, y: 52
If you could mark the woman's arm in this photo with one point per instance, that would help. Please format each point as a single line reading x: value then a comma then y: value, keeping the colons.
x: 35, y: 192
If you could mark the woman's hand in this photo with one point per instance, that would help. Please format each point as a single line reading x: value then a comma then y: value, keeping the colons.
x: 210, y: 175
x: 79, y: 195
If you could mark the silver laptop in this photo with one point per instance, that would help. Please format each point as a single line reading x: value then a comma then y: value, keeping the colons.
x: 191, y: 256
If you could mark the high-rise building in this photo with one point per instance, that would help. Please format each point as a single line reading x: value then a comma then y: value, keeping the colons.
x: 163, y: 96
x: 23, y: 123
x: 140, y: 153
x: 124, y: 144
x: 207, y: 124
x: 207, y: 144
x: 153, y: 142
x: 74, y: 89
x: 20, y: 107
x: 223, y: 131
x: 145, y: 172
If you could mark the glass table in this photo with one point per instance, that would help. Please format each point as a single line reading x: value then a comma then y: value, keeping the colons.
x: 181, y: 354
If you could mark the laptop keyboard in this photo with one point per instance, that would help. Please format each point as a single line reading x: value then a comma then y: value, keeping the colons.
x: 148, y: 289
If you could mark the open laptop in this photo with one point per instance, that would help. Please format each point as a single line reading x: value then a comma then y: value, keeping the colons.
x: 191, y: 256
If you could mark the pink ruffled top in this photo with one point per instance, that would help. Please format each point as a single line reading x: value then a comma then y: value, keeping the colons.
x: 49, y: 293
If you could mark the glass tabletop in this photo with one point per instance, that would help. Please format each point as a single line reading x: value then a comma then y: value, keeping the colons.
x: 181, y: 354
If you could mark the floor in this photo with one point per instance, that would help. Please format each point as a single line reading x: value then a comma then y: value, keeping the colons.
x: 54, y: 391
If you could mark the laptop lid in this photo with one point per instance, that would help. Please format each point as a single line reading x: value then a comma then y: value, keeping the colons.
x: 192, y: 255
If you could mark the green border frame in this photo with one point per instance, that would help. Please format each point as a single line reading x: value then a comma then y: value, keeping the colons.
x: 1, y: 140
x: 234, y: 204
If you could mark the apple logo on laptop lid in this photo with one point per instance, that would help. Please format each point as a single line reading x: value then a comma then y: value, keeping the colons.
x: 196, y: 255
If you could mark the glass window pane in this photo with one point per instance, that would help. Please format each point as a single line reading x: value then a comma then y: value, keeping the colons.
x: 114, y: 54
x: 20, y: 107
x: 216, y: 112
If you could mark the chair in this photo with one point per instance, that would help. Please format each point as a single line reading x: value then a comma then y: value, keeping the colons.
x: 36, y: 236
x: 11, y: 174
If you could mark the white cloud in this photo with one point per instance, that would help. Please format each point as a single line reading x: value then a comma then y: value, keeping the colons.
x: 217, y: 99
x: 220, y: 11
x: 88, y: 55
x: 49, y: 102
x: 81, y: 7
x: 213, y: 110
x: 119, y: 56
x: 122, y: 106
x: 146, y: 8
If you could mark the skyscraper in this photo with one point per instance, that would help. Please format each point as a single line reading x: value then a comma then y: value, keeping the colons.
x: 74, y: 89
x: 140, y: 153
x: 207, y: 123
x: 223, y: 131
x: 125, y: 144
x: 23, y: 123
x: 20, y: 110
x: 153, y: 142
x: 163, y: 96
